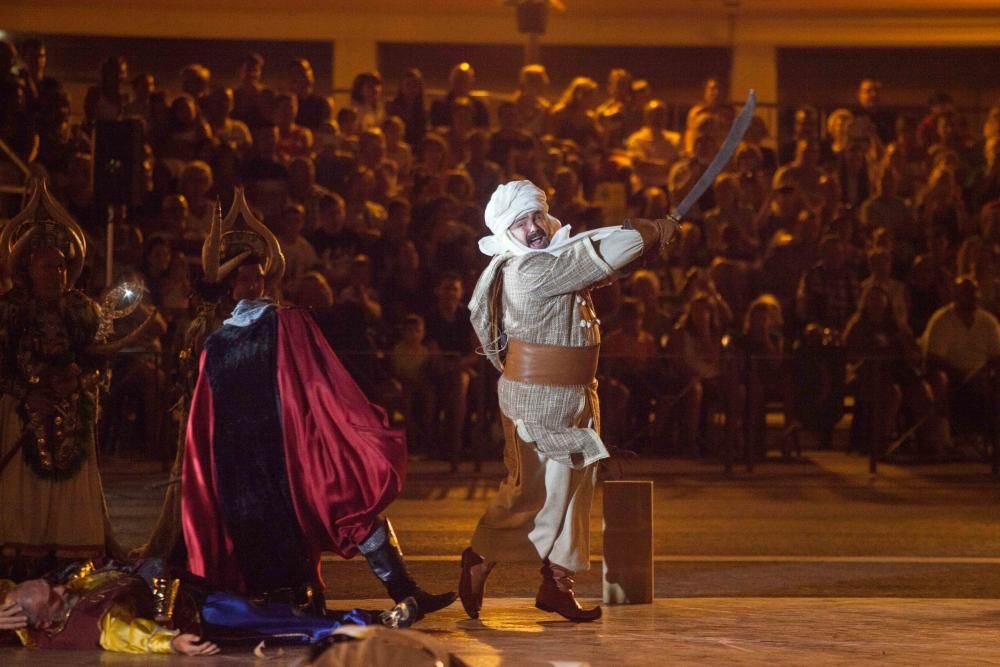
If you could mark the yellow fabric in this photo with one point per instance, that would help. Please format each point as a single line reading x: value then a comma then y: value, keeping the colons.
x: 122, y: 632
x: 91, y: 581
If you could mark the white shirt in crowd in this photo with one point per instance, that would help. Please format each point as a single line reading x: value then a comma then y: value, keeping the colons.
x: 300, y: 257
x: 645, y: 146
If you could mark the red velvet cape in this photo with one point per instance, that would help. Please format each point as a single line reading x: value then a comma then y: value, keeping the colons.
x: 345, y: 464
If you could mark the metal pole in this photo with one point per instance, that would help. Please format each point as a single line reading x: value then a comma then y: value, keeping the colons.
x: 109, y: 248
x: 995, y: 435
x: 733, y: 412
x: 14, y: 158
x: 875, y: 413
x: 532, y: 50
x: 750, y: 420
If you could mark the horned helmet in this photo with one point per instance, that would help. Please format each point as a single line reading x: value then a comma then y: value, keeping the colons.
x: 42, y: 222
x: 223, y: 252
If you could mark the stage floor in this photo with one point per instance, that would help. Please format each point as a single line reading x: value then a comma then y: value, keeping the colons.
x: 681, y: 631
x: 810, y: 563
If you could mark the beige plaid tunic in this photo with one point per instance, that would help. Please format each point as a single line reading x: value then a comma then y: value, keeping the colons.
x: 546, y: 300
x: 542, y: 508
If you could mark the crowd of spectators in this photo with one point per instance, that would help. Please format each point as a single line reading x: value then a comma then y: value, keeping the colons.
x: 859, y: 256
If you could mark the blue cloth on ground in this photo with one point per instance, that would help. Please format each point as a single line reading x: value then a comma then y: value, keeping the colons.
x: 279, y: 621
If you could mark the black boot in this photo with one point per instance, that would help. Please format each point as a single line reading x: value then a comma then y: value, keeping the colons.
x: 381, y: 550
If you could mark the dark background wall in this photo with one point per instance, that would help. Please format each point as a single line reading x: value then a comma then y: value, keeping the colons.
x: 76, y: 59
x: 828, y: 76
x: 672, y: 71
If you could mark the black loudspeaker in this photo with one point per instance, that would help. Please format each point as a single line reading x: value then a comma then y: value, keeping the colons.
x: 119, y: 176
x: 532, y: 16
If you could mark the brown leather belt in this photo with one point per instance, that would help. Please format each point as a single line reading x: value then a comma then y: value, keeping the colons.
x: 550, y: 364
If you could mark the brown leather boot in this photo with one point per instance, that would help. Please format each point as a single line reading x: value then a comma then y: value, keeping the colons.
x: 475, y: 569
x: 556, y: 595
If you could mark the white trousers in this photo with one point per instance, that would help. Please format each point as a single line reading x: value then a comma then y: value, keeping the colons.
x: 542, y: 510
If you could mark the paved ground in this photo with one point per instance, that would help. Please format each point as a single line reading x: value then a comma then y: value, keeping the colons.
x: 813, y: 561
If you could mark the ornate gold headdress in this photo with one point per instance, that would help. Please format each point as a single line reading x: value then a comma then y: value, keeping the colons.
x: 43, y: 222
x: 222, y: 252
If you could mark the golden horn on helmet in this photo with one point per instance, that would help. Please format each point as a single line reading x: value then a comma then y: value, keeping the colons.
x: 62, y: 216
x: 231, y: 264
x: 212, y: 247
x: 275, y: 267
x: 26, y: 214
x: 75, y: 262
x: 15, y: 253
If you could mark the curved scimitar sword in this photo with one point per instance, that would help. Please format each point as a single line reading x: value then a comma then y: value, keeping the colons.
x: 733, y: 139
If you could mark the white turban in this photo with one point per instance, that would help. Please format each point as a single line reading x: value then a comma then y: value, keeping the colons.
x: 512, y: 200
x: 509, y: 202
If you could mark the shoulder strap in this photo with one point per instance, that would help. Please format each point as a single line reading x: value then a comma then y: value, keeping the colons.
x: 486, y: 309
